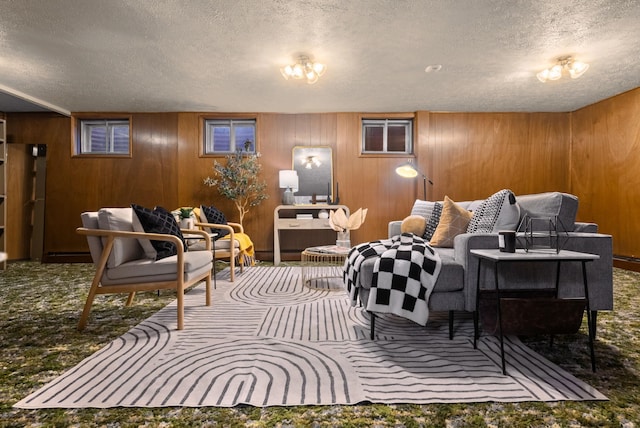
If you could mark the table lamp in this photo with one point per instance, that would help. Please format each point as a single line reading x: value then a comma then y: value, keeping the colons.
x: 288, y: 181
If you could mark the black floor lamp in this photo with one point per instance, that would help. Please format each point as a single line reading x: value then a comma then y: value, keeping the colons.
x: 409, y: 170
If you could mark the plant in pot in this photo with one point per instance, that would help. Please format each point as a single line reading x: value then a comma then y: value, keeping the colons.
x: 185, y: 216
x: 238, y: 180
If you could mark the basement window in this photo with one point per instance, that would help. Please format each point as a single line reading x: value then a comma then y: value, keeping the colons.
x: 224, y: 136
x: 392, y: 136
x: 108, y: 137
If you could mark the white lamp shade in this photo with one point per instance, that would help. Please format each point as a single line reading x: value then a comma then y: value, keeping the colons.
x: 289, y: 179
x: 407, y: 170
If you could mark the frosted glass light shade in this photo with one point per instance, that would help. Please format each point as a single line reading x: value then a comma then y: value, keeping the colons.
x: 577, y: 69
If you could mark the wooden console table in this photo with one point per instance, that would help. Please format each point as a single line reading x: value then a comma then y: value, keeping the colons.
x: 282, y: 222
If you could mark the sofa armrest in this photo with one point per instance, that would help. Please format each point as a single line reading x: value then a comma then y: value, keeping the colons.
x: 394, y: 228
x: 462, y: 244
x: 532, y: 275
x: 599, y: 272
x: 585, y: 227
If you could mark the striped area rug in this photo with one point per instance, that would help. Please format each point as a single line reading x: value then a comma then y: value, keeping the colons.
x: 270, y: 341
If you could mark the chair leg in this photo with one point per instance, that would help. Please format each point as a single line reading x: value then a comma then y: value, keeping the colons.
x: 180, y: 308
x: 451, y: 313
x: 373, y: 325
x: 208, y: 290
x: 87, y: 305
x: 132, y: 295
x: 232, y: 267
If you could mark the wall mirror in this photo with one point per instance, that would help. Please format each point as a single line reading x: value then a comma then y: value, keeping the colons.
x: 314, y: 165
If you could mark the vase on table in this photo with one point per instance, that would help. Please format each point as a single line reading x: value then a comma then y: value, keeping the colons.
x: 344, y: 239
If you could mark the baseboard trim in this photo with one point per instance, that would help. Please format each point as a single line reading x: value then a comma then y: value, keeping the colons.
x: 67, y: 258
x: 626, y: 263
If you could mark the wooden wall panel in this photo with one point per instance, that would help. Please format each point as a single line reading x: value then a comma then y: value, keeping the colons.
x: 472, y: 155
x: 370, y: 182
x: 605, y: 160
x: 466, y: 155
x: 19, y: 205
x: 277, y: 134
x: 25, y: 129
x: 74, y: 185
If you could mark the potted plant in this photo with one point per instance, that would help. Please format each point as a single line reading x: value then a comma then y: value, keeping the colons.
x: 185, y: 215
x: 238, y: 180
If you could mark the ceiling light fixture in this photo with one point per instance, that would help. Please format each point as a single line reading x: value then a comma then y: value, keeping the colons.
x: 311, y: 161
x: 565, y: 63
x: 304, y: 69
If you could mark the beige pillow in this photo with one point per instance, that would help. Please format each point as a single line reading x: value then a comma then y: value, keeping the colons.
x: 453, y: 221
x: 413, y: 224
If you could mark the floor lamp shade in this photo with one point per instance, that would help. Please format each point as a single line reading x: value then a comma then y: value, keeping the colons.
x: 409, y: 170
x: 288, y: 180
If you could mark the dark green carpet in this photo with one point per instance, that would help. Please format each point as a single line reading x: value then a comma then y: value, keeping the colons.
x: 40, y: 305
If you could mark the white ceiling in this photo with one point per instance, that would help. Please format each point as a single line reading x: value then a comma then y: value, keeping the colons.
x: 225, y: 55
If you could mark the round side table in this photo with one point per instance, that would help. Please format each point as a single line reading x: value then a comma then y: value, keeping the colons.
x: 322, y: 265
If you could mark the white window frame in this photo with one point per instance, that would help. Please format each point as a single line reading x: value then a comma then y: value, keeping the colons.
x: 209, y: 124
x: 384, y: 123
x: 84, y: 143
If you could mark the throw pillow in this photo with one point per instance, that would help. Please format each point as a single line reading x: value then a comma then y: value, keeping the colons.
x: 123, y: 250
x: 423, y: 208
x: 159, y: 220
x: 498, y: 212
x: 550, y: 205
x: 413, y: 224
x: 149, y: 250
x: 431, y: 212
x: 213, y: 215
x: 433, y: 221
x: 453, y: 222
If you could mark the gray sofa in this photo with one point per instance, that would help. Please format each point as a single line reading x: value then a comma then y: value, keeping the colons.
x: 455, y: 288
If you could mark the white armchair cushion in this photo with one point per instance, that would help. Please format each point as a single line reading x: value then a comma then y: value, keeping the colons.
x: 146, y: 270
x: 124, y: 250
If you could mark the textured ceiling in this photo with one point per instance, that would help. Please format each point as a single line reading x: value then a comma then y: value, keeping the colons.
x: 224, y: 55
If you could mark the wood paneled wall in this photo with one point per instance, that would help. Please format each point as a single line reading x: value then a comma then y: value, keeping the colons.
x: 473, y: 155
x: 605, y: 160
x: 466, y: 155
x: 23, y: 130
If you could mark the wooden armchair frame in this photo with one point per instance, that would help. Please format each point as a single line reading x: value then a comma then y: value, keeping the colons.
x: 179, y: 284
x: 232, y: 253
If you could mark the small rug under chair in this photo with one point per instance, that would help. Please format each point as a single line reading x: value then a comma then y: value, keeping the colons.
x: 268, y: 340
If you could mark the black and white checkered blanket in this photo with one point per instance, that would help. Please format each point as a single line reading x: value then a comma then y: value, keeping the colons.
x: 404, y: 274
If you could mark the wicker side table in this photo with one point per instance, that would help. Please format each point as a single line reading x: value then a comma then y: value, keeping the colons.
x: 322, y: 265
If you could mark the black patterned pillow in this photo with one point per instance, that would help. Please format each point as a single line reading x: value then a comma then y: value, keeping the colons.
x: 213, y: 215
x: 433, y: 221
x: 159, y: 220
x: 498, y: 212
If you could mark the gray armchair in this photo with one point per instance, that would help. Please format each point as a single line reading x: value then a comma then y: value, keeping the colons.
x: 122, y: 266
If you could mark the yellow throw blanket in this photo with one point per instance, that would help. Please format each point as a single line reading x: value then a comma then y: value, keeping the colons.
x: 246, y: 248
